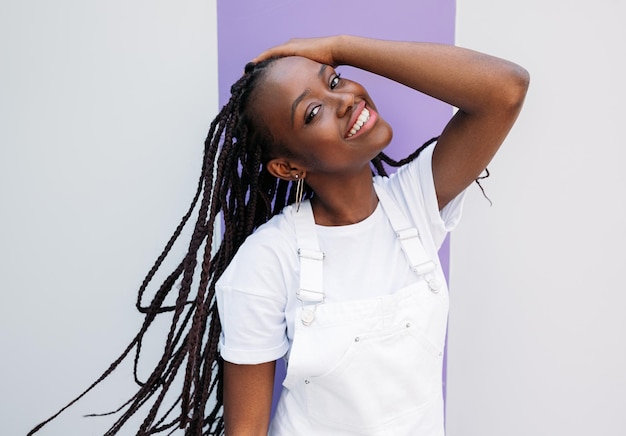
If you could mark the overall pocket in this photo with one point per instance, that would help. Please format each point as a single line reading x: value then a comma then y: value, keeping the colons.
x: 383, y: 376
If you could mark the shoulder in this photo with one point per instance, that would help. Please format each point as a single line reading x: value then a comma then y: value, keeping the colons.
x: 275, y: 235
x: 413, y: 189
x: 266, y: 260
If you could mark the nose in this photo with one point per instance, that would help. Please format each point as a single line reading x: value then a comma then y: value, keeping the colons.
x: 345, y: 103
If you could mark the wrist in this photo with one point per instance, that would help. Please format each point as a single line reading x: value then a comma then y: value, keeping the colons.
x: 340, y: 49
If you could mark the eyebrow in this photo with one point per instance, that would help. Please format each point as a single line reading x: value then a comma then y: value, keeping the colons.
x: 306, y: 92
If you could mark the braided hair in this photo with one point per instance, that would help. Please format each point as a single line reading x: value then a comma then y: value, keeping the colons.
x: 235, y: 189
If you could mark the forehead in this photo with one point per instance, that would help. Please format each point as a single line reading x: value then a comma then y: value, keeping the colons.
x: 286, y: 80
x: 292, y: 71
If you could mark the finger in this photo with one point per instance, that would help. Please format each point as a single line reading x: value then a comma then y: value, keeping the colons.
x: 276, y: 51
x: 270, y: 54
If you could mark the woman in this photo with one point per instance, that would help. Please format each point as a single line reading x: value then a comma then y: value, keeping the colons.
x: 352, y: 367
x: 343, y: 282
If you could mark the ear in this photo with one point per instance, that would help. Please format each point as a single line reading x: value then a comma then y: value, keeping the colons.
x: 282, y: 169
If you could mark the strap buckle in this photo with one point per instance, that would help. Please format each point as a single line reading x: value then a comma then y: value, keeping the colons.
x: 311, y: 254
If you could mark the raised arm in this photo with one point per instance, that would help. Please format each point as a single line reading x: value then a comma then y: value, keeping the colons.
x: 488, y: 92
x: 248, y: 398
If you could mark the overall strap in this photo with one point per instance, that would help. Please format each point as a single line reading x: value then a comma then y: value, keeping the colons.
x: 310, y: 291
x: 408, y: 236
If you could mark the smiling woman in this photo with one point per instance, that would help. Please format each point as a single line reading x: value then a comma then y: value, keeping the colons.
x: 294, y: 163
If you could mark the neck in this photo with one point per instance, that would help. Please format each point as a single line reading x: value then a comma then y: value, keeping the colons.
x: 344, y: 202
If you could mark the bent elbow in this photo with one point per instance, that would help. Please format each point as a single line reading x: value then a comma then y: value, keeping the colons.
x: 516, y: 87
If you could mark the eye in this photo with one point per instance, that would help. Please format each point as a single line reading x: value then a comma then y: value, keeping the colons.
x: 312, y: 114
x: 334, y: 82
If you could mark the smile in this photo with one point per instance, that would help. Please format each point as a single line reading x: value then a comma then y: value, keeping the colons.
x: 363, y: 118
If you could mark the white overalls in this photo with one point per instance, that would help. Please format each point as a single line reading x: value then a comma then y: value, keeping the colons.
x: 365, y: 367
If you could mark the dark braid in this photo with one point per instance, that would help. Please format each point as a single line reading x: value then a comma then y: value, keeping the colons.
x: 233, y: 183
x: 236, y: 189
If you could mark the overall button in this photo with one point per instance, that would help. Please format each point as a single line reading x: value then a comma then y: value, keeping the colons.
x: 307, y: 316
x: 434, y: 285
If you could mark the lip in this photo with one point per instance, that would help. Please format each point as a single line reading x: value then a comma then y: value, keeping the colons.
x: 365, y: 127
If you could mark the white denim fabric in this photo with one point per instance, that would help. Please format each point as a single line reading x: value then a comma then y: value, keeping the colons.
x: 371, y: 366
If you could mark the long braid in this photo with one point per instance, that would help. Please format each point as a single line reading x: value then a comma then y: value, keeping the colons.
x: 231, y: 185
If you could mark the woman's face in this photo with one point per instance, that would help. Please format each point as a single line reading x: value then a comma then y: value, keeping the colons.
x: 328, y: 124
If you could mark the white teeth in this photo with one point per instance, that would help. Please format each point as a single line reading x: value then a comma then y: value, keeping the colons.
x: 362, y: 119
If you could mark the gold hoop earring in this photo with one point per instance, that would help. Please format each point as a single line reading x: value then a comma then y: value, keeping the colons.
x: 299, y: 191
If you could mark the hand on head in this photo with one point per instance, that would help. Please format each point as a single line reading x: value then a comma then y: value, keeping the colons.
x: 317, y: 49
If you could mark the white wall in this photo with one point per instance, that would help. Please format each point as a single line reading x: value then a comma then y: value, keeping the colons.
x: 537, y: 342
x: 104, y: 107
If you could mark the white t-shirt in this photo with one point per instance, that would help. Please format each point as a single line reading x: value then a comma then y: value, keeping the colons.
x: 256, y: 295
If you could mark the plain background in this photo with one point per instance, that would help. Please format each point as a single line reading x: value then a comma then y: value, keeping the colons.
x: 104, y: 107
x: 89, y: 176
x: 537, y: 333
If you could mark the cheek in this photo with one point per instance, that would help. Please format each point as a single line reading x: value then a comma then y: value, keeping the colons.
x: 316, y: 144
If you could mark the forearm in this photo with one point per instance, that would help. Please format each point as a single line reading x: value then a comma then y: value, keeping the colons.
x: 472, y: 81
x: 248, y: 398
x: 488, y: 91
